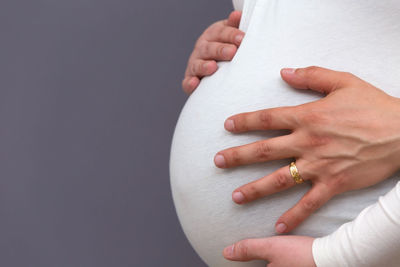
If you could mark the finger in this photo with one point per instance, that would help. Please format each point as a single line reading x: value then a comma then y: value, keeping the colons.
x: 229, y: 35
x: 227, y: 31
x: 234, y: 19
x: 281, y: 147
x: 249, y: 249
x: 201, y: 68
x: 268, y: 119
x: 215, y: 51
x: 317, y: 79
x: 189, y: 84
x: 318, y: 195
x: 277, y: 181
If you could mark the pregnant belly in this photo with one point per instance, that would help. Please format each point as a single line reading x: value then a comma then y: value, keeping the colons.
x: 202, y: 193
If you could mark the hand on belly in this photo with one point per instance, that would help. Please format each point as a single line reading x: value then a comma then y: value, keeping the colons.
x: 348, y: 140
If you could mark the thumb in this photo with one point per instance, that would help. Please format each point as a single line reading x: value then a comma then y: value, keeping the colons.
x: 249, y: 249
x: 317, y: 79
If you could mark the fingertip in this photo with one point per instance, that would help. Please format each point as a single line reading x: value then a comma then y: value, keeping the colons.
x: 228, y: 252
x: 293, y: 77
x: 281, y: 228
x: 194, y: 82
x: 235, y: 13
x: 288, y: 72
x: 185, y: 86
x: 190, y: 84
x: 239, y: 38
x: 210, y: 67
x: 234, y: 18
x: 229, y: 125
x: 238, y: 197
x: 219, y: 161
x: 229, y: 52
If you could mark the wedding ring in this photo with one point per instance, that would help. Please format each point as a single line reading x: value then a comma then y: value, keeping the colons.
x: 295, y: 173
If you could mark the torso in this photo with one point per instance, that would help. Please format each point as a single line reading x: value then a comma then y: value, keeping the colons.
x: 361, y: 37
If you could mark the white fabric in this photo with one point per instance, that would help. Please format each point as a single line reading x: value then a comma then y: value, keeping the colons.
x: 238, y: 4
x: 373, y: 239
x: 357, y: 36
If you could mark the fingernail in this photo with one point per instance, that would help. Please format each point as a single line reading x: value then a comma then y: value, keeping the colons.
x: 281, y: 228
x: 205, y: 66
x: 228, y: 251
x: 238, y: 197
x: 230, y: 125
x: 288, y: 71
x: 226, y: 52
x: 219, y: 161
x: 239, y: 38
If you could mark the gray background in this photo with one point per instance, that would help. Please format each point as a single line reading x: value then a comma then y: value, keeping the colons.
x: 89, y: 97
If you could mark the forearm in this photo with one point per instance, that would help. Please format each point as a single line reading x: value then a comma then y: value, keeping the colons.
x: 372, y: 239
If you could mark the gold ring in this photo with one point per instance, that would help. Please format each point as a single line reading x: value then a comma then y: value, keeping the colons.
x: 295, y: 173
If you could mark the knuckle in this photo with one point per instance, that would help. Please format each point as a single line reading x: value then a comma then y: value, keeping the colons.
x: 348, y: 75
x: 252, y: 192
x: 234, y: 157
x: 265, y: 119
x: 199, y: 43
x: 312, y: 71
x: 219, y: 31
x: 280, y: 181
x: 310, y: 205
x: 193, y: 68
x: 202, y: 47
x: 205, y: 50
x: 240, y: 123
x: 339, y: 182
x: 350, y: 78
x: 212, y: 30
x: 317, y: 140
x: 263, y: 150
x: 312, y: 118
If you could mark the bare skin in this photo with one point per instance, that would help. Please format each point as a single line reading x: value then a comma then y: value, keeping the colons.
x: 279, y: 251
x: 348, y: 140
x: 219, y: 42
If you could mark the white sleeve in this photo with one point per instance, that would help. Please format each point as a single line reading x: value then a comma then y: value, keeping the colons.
x: 238, y: 4
x: 372, y: 239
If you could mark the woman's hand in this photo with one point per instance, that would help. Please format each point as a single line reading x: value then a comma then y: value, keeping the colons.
x: 219, y: 42
x: 348, y: 140
x: 279, y: 251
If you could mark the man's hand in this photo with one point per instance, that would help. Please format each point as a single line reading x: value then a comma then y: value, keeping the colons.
x: 219, y: 42
x: 279, y: 251
x: 348, y: 140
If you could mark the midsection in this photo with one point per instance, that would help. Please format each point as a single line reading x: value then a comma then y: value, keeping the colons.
x: 282, y: 33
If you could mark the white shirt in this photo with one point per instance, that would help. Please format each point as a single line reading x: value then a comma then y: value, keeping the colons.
x: 238, y: 4
x: 337, y: 34
x: 350, y: 245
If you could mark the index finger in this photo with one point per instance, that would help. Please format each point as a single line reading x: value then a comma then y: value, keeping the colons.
x: 282, y: 118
